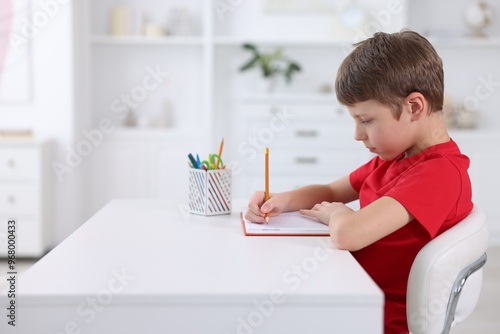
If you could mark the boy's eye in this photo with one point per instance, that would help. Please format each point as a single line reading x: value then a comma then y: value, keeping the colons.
x: 365, y: 121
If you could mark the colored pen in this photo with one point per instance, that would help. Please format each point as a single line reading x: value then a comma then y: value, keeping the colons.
x: 198, y: 162
x: 193, y: 162
x: 220, y: 152
x: 266, y: 155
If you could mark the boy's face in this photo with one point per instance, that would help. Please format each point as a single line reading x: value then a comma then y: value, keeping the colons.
x: 379, y: 131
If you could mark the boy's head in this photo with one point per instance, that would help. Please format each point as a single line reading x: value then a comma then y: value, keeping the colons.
x: 387, y: 68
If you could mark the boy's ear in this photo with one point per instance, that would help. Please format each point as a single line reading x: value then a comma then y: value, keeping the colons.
x: 416, y: 105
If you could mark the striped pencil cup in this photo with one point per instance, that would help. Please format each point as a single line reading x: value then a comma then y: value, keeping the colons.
x: 210, y: 191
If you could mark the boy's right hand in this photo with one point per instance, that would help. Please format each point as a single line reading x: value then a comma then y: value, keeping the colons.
x: 258, y: 207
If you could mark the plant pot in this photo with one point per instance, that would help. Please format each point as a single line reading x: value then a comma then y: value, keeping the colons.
x: 269, y: 84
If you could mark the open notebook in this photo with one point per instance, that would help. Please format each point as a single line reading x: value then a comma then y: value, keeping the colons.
x: 288, y: 224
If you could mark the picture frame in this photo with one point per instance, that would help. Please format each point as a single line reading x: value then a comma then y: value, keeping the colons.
x: 16, y: 52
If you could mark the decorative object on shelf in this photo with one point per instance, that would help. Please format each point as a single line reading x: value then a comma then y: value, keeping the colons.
x: 119, y: 21
x: 129, y: 120
x: 326, y: 88
x: 273, y: 65
x: 16, y: 134
x: 164, y: 117
x: 458, y: 116
x: 478, y: 15
x: 448, y: 116
x: 299, y: 6
x: 143, y: 120
x: 181, y: 22
x: 465, y: 118
x: 16, y: 52
x: 154, y: 30
x: 352, y: 15
x: 125, y: 21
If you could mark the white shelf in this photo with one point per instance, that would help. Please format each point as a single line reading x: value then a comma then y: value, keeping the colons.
x: 336, y: 42
x: 156, y: 135
x: 465, y: 41
x: 171, y: 132
x: 238, y: 41
x: 289, y: 98
x: 144, y: 40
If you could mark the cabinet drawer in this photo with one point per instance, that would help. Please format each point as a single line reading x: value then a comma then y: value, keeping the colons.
x: 28, y: 237
x: 310, y: 161
x: 18, y: 163
x: 18, y: 199
x: 305, y: 134
x: 333, y: 113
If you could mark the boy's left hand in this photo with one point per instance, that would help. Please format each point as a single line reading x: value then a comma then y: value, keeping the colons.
x: 324, y: 211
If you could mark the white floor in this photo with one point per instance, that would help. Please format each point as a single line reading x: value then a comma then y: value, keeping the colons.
x: 484, y: 320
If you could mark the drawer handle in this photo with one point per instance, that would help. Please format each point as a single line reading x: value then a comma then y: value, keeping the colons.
x: 306, y: 160
x: 340, y: 110
x: 274, y: 110
x: 11, y: 199
x: 306, y: 133
x: 11, y: 163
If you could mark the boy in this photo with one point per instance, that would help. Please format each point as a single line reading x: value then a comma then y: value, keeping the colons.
x: 414, y: 189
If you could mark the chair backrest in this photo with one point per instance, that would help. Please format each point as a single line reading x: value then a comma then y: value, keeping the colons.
x: 435, y: 269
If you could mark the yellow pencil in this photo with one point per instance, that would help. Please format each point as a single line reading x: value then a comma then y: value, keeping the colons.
x: 266, y: 154
x: 220, y: 152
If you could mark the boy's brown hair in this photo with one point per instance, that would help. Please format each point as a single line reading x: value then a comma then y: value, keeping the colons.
x: 387, y: 68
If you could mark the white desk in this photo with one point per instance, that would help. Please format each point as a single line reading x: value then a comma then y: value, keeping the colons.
x: 147, y: 266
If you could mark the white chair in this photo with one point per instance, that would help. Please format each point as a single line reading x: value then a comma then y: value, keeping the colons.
x: 439, y: 272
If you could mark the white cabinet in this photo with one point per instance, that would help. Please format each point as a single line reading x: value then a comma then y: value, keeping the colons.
x: 310, y: 140
x: 25, y: 196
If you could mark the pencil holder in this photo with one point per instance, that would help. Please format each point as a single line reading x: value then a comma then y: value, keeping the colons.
x: 210, y: 191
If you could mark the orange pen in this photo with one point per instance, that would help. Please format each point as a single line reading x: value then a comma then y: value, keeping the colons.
x: 220, y: 153
x: 266, y: 155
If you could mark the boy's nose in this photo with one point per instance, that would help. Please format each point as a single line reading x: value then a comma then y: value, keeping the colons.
x: 359, y: 134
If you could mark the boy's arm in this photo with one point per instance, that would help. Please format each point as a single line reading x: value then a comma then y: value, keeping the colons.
x: 354, y: 230
x: 340, y: 190
x: 304, y: 197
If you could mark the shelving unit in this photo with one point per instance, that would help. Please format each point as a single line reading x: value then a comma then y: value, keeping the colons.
x: 318, y: 98
x: 210, y: 99
x: 302, y: 42
x: 142, y: 41
x: 120, y: 66
x: 466, y: 42
x: 164, y: 82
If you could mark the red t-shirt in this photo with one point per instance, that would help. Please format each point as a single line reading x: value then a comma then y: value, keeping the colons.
x: 434, y: 187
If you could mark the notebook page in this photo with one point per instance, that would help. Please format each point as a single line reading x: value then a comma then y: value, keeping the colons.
x: 288, y: 222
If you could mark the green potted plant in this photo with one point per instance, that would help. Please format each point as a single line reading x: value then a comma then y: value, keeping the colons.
x: 272, y: 65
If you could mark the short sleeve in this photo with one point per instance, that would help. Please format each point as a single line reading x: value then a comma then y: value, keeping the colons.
x: 430, y: 192
x: 358, y: 176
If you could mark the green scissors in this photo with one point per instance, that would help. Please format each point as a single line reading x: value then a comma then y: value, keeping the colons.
x: 211, y: 162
